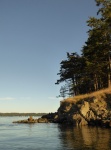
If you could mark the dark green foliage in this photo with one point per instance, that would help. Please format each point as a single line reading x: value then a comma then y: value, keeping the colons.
x: 92, y: 70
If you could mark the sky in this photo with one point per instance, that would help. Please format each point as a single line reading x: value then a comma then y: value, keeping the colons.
x: 34, y: 38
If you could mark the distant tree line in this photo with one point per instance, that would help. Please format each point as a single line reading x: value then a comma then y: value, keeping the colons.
x: 90, y: 71
x: 21, y: 114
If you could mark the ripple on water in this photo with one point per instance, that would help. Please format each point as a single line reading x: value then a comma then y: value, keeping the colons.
x: 51, y: 137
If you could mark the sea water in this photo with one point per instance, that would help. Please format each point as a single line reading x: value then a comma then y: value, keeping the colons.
x: 50, y: 136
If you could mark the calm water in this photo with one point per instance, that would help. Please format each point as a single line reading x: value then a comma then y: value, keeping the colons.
x: 51, y: 136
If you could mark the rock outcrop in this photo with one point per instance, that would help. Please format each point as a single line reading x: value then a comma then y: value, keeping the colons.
x: 93, y: 109
x: 86, y: 111
x: 32, y: 120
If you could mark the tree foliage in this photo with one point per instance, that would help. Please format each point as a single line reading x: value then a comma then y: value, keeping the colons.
x: 92, y: 70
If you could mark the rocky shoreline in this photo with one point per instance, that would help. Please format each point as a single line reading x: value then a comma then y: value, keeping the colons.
x: 93, y: 111
x: 32, y: 120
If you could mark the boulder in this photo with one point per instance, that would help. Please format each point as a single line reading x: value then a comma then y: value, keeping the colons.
x: 78, y: 120
x: 29, y: 120
x: 84, y: 108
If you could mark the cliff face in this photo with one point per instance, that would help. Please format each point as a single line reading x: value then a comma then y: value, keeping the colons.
x: 91, y: 110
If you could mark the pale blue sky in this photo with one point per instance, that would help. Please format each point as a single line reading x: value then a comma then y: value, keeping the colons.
x: 34, y: 37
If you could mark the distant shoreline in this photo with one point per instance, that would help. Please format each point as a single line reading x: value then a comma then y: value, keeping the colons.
x: 21, y: 114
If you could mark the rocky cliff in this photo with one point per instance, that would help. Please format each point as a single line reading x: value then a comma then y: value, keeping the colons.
x: 89, y: 109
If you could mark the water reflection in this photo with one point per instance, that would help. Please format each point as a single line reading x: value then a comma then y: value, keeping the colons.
x: 85, y: 138
x: 52, y: 136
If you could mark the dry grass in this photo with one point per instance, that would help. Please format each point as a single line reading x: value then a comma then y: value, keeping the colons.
x: 97, y: 94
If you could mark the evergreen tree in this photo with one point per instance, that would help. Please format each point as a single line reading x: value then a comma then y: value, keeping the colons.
x: 100, y: 39
x: 71, y: 70
x: 92, y: 70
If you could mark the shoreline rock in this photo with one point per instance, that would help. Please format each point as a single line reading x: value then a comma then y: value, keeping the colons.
x: 31, y: 120
x: 88, y: 111
x: 93, y: 111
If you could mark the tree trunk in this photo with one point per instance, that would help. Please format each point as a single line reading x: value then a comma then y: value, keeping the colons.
x: 109, y: 72
x: 95, y: 82
x: 73, y: 81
